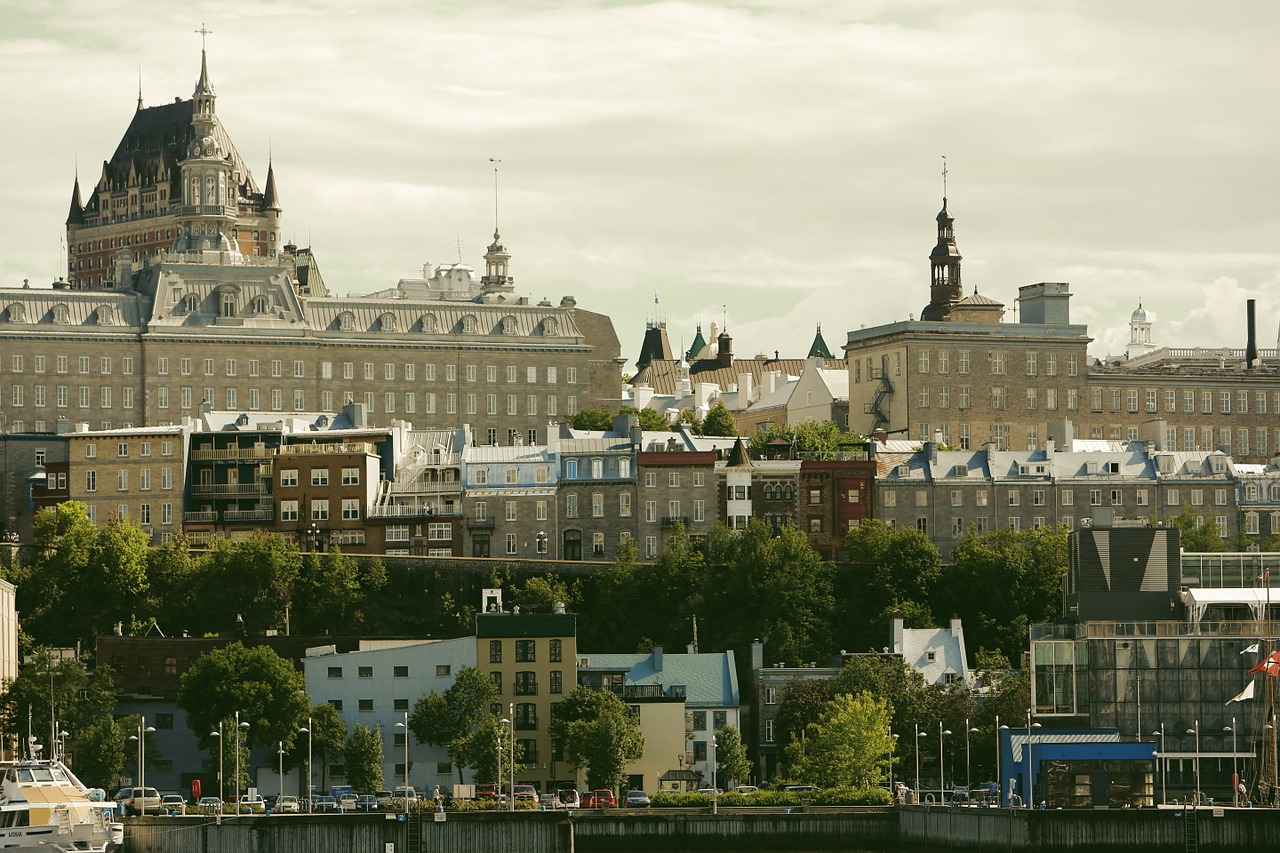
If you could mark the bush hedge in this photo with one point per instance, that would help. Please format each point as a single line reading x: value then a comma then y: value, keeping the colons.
x: 821, y: 797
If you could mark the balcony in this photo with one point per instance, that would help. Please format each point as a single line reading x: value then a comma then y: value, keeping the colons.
x: 231, y: 454
x: 202, y: 517
x: 229, y: 489
x: 329, y: 449
x: 258, y: 514
x: 480, y: 524
x: 673, y: 520
x: 402, y: 511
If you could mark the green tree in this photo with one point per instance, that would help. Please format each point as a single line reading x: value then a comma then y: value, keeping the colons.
x: 848, y: 746
x: 327, y: 592
x: 172, y: 578
x: 597, y: 420
x: 595, y: 730
x: 452, y: 720
x: 52, y: 596
x: 1198, y: 534
x: 911, y: 702
x: 362, y: 754
x: 328, y: 738
x: 115, y: 578
x: 253, y: 579
x: 267, y: 690
x: 543, y: 592
x: 719, y: 421
x: 100, y: 752
x: 693, y: 419
x: 62, y: 690
x: 803, y: 704
x: 650, y: 420
x: 732, y: 764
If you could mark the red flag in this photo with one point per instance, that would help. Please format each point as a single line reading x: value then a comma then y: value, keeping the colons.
x: 1270, y: 664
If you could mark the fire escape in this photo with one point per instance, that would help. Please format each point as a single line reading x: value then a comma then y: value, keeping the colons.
x: 879, y: 405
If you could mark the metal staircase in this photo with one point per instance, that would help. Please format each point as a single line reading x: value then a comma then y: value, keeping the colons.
x: 877, y: 407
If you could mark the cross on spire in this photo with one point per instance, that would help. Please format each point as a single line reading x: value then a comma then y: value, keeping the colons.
x: 496, y: 162
x: 203, y: 31
x: 944, y: 175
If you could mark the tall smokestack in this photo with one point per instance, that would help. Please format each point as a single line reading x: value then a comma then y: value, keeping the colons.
x: 1251, y: 349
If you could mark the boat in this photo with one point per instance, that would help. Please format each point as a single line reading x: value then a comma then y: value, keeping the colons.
x: 44, y: 808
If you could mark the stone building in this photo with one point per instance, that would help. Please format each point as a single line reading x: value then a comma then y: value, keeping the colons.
x: 191, y: 300
x: 137, y: 474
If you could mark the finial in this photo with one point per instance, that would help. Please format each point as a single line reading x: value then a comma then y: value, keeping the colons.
x: 496, y: 162
x: 203, y: 32
x: 139, y: 86
x: 944, y: 180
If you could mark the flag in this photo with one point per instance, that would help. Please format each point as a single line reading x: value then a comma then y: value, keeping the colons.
x: 1251, y: 650
x: 1247, y: 693
x: 1270, y: 665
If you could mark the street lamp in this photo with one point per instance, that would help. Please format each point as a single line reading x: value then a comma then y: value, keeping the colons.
x: 712, y: 760
x: 141, y: 738
x: 942, y: 767
x: 218, y: 735
x: 1031, y: 768
x: 239, y: 726
x: 405, y: 725
x: 542, y: 542
x: 281, y: 753
x: 1235, y: 770
x: 1164, y: 765
x: 314, y: 530
x: 968, y: 763
x: 498, y: 787
x: 999, y: 778
x: 917, y: 751
x: 1196, y: 731
x: 309, y: 776
x: 893, y: 753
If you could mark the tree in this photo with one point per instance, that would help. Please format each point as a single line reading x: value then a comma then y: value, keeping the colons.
x: 100, y: 751
x: 252, y: 578
x: 328, y: 736
x: 803, y: 704
x: 267, y: 690
x: 719, y: 421
x: 362, y: 754
x: 732, y: 763
x: 1199, y: 534
x: 650, y: 420
x: 693, y: 419
x: 848, y: 746
x: 543, y: 593
x: 327, y: 592
x: 595, y: 729
x: 597, y: 420
x: 453, y: 719
x: 49, y: 689
x: 910, y: 701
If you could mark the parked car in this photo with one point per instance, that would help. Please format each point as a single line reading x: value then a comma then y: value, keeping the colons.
x: 325, y: 804
x: 173, y: 804
x: 802, y: 789
x: 547, y: 801
x: 486, y: 791
x: 347, y: 803
x: 252, y: 805
x: 637, y: 800
x: 600, y: 798
x: 745, y: 789
x: 209, y: 805
x: 710, y: 791
x: 287, y: 804
x: 384, y: 799
x: 525, y: 794
x: 136, y: 801
x: 366, y: 802
x: 567, y: 798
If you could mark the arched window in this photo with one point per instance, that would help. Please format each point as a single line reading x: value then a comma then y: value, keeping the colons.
x: 60, y: 314
x: 512, y: 475
x: 17, y: 313
x: 260, y: 305
x: 191, y: 303
x: 229, y: 303
x: 482, y: 476
x: 571, y: 468
x: 508, y: 325
x: 597, y: 469
x: 106, y: 315
x: 1251, y: 492
x: 1275, y: 491
x: 387, y: 322
x: 624, y: 467
x: 788, y: 493
x: 469, y: 325
x: 346, y: 321
x: 768, y: 492
x: 428, y: 322
x: 549, y: 326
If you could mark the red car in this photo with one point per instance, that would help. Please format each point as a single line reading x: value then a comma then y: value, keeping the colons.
x: 486, y: 792
x: 601, y: 798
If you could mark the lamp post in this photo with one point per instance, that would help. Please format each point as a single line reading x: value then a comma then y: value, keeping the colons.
x: 1164, y: 765
x: 405, y: 725
x: 280, y: 751
x: 239, y: 726
x: 893, y: 753
x: 498, y: 787
x: 1196, y: 731
x: 917, y: 751
x: 314, y: 531
x: 307, y: 729
x: 712, y: 761
x: 999, y: 778
x: 218, y: 735
x: 968, y: 762
x: 1235, y: 770
x: 1031, y: 768
x: 141, y: 738
x: 942, y: 765
x: 542, y: 543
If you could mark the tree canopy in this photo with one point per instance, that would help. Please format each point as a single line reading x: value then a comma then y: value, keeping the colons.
x: 362, y: 754
x: 596, y: 730
x: 267, y: 690
x: 733, y: 767
x: 718, y: 421
x: 849, y: 746
x: 650, y: 420
x: 597, y: 420
x: 456, y: 720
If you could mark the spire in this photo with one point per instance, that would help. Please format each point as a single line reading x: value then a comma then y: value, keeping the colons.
x: 699, y: 344
x: 269, y: 199
x: 945, y: 287
x: 202, y: 85
x: 819, y: 348
x: 139, y: 88
x: 75, y: 216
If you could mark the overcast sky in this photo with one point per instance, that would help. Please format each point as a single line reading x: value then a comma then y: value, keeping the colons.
x: 775, y: 162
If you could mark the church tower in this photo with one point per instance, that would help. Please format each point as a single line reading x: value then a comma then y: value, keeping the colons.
x: 1140, y: 322
x: 206, y: 222
x: 945, y: 288
x: 497, y: 261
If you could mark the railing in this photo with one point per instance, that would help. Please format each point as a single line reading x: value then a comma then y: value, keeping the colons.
x: 1161, y: 628
x: 673, y: 520
x: 229, y: 489
x: 200, y: 517
x: 427, y: 488
x: 261, y: 514
x: 327, y: 448
x: 403, y: 511
x: 230, y: 453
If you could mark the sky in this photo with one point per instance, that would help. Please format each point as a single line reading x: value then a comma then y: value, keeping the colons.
x: 768, y: 165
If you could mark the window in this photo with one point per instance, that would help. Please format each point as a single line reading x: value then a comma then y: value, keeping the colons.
x: 364, y: 672
x: 351, y: 509
x: 555, y: 650
x: 511, y: 510
x: 511, y: 543
x: 365, y: 705
x: 289, y: 478
x: 495, y: 651
x: 526, y: 683
x: 525, y: 651
x: 319, y: 510
x: 319, y: 476
x: 288, y: 510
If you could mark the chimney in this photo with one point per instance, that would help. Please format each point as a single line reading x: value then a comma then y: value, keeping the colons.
x: 881, y: 435
x: 657, y: 658
x: 757, y: 655
x: 1251, y: 348
x: 956, y: 630
x: 895, y: 633
x: 744, y: 388
x: 641, y: 395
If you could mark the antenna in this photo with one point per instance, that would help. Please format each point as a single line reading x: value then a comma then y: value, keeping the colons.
x: 496, y: 162
x: 139, y: 85
x: 458, y: 242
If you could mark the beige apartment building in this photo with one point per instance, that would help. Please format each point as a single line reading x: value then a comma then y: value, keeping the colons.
x: 137, y: 473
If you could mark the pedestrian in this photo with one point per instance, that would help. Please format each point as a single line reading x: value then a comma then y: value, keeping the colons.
x: 439, y: 797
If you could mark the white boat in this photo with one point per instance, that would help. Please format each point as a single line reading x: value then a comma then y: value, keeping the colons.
x: 44, y: 807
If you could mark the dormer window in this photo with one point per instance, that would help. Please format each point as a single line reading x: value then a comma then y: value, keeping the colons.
x: 260, y: 305
x: 191, y: 303
x: 17, y: 313
x: 60, y: 314
x: 106, y: 315
x: 428, y: 322
x: 229, y: 303
x: 549, y: 326
x: 469, y: 325
x: 346, y: 322
x: 508, y: 325
x: 387, y: 322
